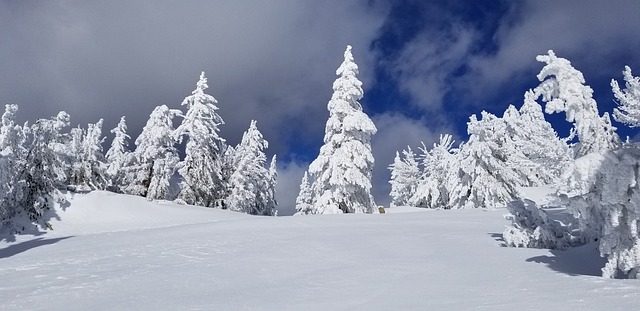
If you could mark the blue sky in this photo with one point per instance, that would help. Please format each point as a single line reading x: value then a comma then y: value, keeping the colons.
x: 426, y: 65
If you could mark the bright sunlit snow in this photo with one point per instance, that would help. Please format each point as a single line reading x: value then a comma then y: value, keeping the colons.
x: 119, y: 252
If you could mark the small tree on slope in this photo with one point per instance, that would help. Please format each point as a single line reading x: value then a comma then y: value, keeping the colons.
x: 304, y: 201
x: 342, y: 171
x: 201, y: 170
x: 118, y: 155
x: 563, y: 90
x: 251, y: 182
x: 92, y: 158
x: 439, y: 177
x: 405, y: 175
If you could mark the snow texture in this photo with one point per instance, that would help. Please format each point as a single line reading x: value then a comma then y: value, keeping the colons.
x: 119, y: 252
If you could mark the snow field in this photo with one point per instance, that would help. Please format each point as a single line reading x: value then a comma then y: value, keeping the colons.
x: 160, y: 256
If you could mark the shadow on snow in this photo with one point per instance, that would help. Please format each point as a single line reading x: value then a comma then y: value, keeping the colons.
x: 21, y: 247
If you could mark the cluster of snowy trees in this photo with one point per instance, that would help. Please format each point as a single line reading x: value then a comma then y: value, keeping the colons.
x: 341, y: 174
x: 39, y: 161
x: 595, y: 174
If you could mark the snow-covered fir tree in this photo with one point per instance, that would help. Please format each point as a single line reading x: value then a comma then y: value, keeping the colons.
x: 251, y: 185
x: 405, y: 175
x: 118, y: 155
x: 155, y: 156
x: 535, y: 146
x: 563, y: 89
x: 201, y: 170
x: 628, y: 110
x: 12, y: 153
x: 439, y: 177
x: 304, y: 201
x: 91, y: 158
x: 342, y: 171
x: 487, y: 181
x: 40, y: 175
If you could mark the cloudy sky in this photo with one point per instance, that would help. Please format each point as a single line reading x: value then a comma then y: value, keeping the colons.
x: 426, y: 65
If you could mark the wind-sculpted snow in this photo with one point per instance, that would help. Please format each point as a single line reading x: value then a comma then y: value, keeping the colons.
x: 191, y: 258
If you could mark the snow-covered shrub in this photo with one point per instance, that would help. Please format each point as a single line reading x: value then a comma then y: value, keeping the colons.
x: 533, y: 228
x: 610, y: 211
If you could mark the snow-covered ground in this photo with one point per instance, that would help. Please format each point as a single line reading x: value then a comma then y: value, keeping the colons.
x: 116, y: 252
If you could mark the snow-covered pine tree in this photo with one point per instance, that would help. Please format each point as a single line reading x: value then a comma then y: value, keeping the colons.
x: 562, y: 88
x: 628, y: 110
x: 250, y: 188
x: 73, y: 153
x: 12, y: 153
x: 155, y: 156
x: 201, y: 170
x: 304, y: 201
x: 92, y: 159
x: 405, y: 175
x: 342, y: 171
x: 439, y: 176
x: 35, y: 187
x: 118, y: 155
x: 486, y: 178
x: 536, y: 148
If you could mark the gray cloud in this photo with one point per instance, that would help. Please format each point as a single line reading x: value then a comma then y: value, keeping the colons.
x: 272, y: 62
x: 289, y: 178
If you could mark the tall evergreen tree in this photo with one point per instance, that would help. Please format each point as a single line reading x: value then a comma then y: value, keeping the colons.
x: 201, y: 170
x: 342, y: 171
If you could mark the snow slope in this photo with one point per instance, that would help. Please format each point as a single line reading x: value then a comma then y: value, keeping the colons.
x: 116, y: 252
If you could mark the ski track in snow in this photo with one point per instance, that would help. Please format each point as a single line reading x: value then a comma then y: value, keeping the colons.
x: 402, y: 260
